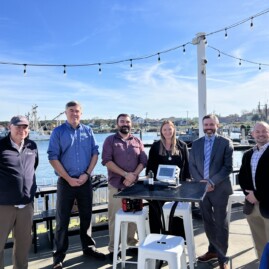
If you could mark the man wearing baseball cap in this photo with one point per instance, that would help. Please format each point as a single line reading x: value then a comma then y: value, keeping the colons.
x: 18, y: 162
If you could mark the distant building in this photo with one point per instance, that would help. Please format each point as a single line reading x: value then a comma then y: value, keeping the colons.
x: 181, y: 122
x: 137, y: 120
x: 247, y: 116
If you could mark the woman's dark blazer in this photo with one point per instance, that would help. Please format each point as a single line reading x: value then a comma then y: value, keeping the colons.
x: 182, y: 160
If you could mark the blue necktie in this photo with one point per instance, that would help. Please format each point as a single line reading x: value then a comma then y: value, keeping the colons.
x: 208, y: 147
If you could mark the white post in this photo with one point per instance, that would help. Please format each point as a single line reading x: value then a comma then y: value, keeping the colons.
x: 201, y: 64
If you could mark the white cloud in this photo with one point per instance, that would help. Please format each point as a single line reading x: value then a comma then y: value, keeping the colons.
x: 235, y: 97
x: 161, y: 90
x: 153, y: 89
x: 80, y: 41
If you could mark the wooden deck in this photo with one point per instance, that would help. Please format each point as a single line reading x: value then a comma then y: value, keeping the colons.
x: 240, y: 248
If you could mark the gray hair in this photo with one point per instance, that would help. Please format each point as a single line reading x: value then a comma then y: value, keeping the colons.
x: 72, y: 103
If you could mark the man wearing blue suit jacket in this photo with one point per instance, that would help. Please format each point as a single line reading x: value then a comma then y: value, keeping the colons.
x: 254, y: 181
x: 211, y: 160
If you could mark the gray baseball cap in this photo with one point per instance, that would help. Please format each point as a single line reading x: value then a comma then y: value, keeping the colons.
x: 19, y: 120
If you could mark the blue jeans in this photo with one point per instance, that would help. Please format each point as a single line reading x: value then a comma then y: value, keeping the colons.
x: 65, y: 200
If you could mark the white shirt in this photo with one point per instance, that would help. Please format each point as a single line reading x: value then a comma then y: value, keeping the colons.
x: 257, y: 153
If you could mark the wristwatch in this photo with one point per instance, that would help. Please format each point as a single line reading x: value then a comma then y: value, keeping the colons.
x: 87, y: 174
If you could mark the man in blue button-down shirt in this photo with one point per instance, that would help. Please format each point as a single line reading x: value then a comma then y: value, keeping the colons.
x: 73, y: 154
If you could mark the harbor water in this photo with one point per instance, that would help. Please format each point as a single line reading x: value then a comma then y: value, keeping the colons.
x: 45, y: 173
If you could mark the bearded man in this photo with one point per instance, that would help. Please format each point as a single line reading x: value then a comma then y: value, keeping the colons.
x: 211, y: 160
x: 124, y: 156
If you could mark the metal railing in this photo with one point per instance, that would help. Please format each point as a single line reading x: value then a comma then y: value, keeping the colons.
x: 100, y: 195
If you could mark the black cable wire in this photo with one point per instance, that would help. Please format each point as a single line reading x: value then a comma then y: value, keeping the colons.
x: 150, y: 55
x: 237, y: 58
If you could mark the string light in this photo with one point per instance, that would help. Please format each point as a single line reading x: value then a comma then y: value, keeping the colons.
x: 218, y: 54
x: 24, y: 70
x: 151, y: 55
x: 239, y: 59
x: 64, y: 70
x: 226, y: 33
x: 100, y: 69
x: 239, y: 22
x: 131, y: 63
x: 251, y: 23
x: 101, y: 63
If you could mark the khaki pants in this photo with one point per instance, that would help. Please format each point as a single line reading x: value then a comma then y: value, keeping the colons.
x: 19, y: 221
x: 259, y: 227
x: 114, y: 204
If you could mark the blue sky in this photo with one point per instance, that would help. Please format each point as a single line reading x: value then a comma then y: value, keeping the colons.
x: 82, y: 31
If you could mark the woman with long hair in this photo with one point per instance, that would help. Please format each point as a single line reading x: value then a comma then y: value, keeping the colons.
x: 171, y: 151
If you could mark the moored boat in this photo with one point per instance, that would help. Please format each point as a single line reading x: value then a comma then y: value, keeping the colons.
x: 38, y: 135
x: 36, y: 131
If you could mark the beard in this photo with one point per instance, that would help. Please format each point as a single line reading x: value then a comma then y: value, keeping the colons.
x: 212, y: 132
x: 125, y: 129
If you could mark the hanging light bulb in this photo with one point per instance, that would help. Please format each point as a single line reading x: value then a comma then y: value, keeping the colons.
x: 131, y: 63
x: 226, y: 33
x: 218, y: 54
x: 184, y: 49
x: 24, y: 70
x: 251, y: 23
x: 159, y: 58
x: 240, y: 63
x: 100, y: 69
x: 260, y: 67
x: 64, y: 70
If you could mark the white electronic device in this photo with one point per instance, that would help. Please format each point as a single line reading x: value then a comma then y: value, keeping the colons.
x: 168, y: 174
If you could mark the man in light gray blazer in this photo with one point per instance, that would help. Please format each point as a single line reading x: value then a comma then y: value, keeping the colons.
x: 211, y: 160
